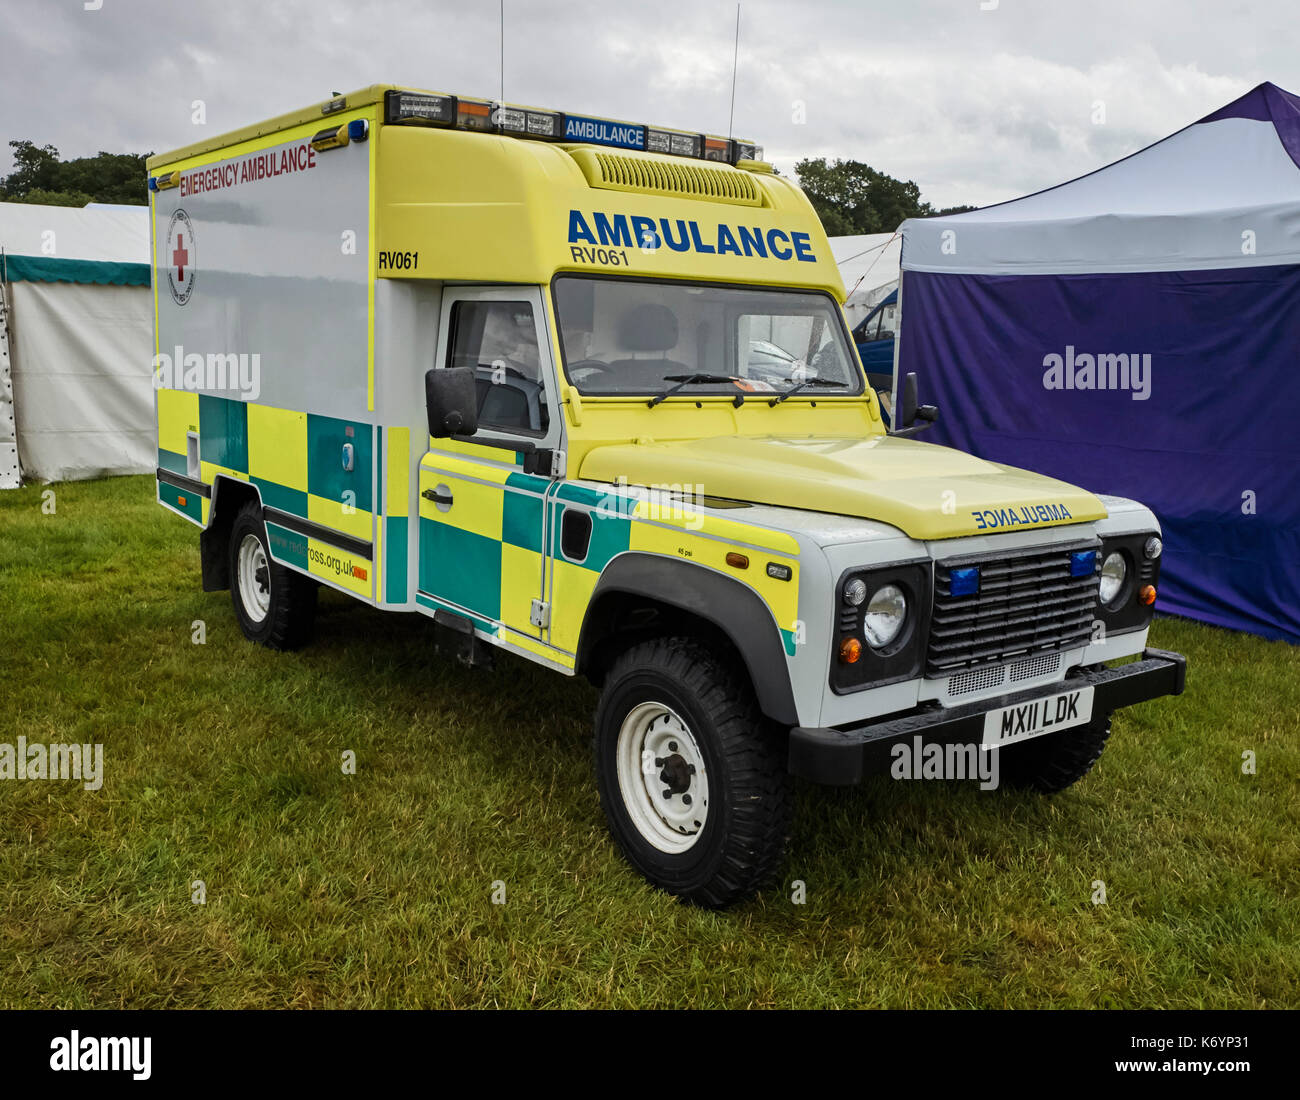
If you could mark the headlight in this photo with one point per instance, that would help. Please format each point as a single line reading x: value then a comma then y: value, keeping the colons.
x: 1153, y: 547
x: 885, y: 616
x: 1113, y: 572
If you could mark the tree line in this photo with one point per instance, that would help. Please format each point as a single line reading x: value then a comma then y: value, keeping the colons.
x: 852, y: 198
x: 40, y: 176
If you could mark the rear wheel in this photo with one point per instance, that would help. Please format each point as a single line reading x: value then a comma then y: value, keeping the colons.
x: 276, y: 606
x: 1051, y: 763
x: 692, y: 778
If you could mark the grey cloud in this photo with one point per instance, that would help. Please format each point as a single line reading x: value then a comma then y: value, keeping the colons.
x: 976, y: 106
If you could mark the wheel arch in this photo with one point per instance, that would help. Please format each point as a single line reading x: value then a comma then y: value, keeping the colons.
x: 635, y: 589
x: 229, y: 495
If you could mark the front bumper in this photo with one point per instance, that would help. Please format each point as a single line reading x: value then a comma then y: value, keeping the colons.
x: 841, y: 757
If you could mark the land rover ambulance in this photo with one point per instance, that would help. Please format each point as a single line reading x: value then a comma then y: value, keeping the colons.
x: 582, y: 390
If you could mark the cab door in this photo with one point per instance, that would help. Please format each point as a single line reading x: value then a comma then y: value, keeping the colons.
x: 484, y: 505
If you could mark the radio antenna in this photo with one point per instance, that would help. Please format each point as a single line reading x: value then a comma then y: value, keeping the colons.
x: 503, y: 50
x: 735, y: 58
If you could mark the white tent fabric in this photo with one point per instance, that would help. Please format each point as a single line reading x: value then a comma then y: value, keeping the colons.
x: 1183, y: 204
x: 80, y: 339
x: 868, y: 265
x: 99, y: 232
x: 83, y: 383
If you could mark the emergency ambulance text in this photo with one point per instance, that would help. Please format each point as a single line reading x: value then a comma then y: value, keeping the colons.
x: 259, y: 166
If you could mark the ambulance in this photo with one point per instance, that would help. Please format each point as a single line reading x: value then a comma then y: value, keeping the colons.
x: 582, y: 391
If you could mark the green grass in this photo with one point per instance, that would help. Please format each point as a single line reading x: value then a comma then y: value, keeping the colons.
x: 223, y: 764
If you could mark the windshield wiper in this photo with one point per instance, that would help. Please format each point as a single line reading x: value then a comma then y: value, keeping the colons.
x: 806, y: 382
x: 685, y: 380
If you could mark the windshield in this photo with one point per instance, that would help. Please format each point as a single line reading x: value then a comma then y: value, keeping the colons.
x: 630, y: 336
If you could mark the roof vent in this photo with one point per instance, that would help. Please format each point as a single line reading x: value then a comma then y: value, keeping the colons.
x: 648, y: 174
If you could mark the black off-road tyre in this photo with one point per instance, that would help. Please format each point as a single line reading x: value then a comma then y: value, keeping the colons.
x: 1050, y: 763
x: 289, y: 617
x: 670, y: 684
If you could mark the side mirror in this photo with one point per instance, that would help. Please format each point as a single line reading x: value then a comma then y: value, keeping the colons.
x: 910, y: 411
x: 450, y: 401
x: 908, y: 404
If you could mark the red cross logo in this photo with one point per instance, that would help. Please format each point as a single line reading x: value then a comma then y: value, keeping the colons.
x: 180, y: 257
x: 184, y: 269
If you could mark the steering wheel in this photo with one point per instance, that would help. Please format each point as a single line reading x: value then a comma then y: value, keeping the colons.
x: 582, y: 370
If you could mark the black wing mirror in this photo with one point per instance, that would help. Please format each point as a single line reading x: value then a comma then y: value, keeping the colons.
x: 451, y: 402
x: 910, y: 411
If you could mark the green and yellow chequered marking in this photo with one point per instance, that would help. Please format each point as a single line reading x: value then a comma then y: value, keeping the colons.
x: 397, y: 509
x: 572, y: 583
x: 685, y: 534
x: 708, y: 539
x: 295, y: 459
x: 484, y: 556
x: 178, y: 415
x: 277, y: 455
x: 185, y: 501
x: 484, y: 553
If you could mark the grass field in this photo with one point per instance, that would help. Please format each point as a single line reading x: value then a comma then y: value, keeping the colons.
x: 223, y: 764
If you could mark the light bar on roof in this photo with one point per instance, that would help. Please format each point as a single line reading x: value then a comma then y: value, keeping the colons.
x: 473, y: 114
x: 528, y: 123
x: 604, y: 131
x: 716, y: 148
x: 436, y: 110
x: 488, y: 116
x: 673, y: 142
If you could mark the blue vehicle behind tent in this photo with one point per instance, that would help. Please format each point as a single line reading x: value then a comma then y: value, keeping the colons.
x: 875, y: 342
x: 875, y: 345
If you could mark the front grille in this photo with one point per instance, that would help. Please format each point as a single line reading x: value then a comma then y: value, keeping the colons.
x: 1035, y: 667
x: 991, y: 676
x: 1027, y: 604
x: 980, y: 680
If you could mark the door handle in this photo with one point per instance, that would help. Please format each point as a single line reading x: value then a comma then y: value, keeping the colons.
x: 440, y: 496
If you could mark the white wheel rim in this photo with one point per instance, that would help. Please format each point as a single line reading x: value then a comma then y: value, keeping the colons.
x: 662, y: 777
x: 254, y: 578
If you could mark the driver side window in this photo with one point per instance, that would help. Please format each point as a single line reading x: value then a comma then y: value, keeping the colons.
x: 498, y: 341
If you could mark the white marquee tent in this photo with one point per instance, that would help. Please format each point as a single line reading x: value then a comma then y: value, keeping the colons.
x: 868, y: 265
x: 76, y: 340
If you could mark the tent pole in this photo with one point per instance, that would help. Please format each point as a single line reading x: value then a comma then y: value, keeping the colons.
x: 10, y: 477
x: 898, y: 343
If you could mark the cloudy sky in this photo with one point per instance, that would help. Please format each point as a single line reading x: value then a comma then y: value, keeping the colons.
x: 975, y: 105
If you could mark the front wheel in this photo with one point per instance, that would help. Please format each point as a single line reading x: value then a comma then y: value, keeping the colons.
x: 692, y: 778
x: 276, y: 606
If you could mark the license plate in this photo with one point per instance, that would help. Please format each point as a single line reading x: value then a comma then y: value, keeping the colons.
x: 1021, y: 721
